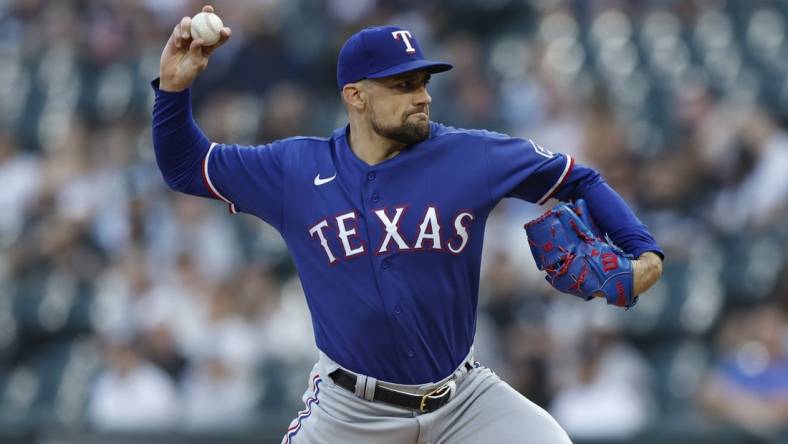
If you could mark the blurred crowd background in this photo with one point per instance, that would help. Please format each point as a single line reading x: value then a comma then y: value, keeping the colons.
x: 126, y: 308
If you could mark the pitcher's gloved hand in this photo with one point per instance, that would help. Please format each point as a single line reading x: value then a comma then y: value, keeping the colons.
x: 577, y: 258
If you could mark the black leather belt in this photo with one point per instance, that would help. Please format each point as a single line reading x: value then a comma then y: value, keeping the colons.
x: 423, y: 403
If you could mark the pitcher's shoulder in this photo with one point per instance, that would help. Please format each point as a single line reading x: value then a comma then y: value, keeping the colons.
x: 301, y: 145
x: 439, y: 130
x: 306, y: 141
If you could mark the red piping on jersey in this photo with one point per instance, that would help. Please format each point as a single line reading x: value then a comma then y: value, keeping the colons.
x: 214, y: 193
x: 561, y: 182
x: 205, y: 181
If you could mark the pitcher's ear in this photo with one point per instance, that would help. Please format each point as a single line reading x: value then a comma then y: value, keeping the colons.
x: 354, y: 95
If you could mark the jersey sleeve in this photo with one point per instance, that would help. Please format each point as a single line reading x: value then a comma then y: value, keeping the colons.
x: 521, y: 168
x: 248, y: 178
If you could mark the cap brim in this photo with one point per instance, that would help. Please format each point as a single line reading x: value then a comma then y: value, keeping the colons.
x: 416, y: 65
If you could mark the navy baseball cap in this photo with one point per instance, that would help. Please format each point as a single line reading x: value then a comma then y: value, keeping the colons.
x: 382, y: 51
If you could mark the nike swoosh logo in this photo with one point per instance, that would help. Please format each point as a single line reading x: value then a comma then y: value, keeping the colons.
x: 319, y: 181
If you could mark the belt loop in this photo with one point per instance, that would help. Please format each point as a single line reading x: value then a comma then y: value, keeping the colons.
x: 464, y: 368
x: 361, y: 381
x: 369, y: 390
x: 452, y: 389
x: 365, y: 387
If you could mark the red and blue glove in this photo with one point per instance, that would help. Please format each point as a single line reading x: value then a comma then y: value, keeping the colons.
x: 578, y: 259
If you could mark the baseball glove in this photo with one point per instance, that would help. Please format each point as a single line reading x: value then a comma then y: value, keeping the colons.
x: 578, y: 259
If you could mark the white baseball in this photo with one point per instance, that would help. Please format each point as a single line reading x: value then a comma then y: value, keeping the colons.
x: 206, y: 26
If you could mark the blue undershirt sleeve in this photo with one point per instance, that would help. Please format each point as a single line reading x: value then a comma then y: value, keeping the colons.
x: 609, y: 210
x: 178, y: 142
x: 248, y: 178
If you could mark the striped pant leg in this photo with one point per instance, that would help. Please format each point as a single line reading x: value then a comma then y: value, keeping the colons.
x: 332, y: 414
x: 311, y: 399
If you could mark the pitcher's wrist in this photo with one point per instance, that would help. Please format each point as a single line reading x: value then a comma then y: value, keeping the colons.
x: 168, y: 85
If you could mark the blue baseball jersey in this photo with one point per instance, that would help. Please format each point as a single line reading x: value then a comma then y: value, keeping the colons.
x: 388, y: 254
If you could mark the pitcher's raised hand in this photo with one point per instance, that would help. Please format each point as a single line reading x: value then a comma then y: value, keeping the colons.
x: 183, y: 57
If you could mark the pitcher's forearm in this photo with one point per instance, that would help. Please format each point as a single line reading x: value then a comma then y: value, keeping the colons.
x: 178, y: 142
x: 610, y: 212
x: 647, y: 271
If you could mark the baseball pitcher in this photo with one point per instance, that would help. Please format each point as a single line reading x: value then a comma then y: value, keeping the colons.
x: 385, y: 222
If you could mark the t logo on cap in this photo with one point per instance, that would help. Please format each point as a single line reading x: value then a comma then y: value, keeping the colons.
x: 405, y: 35
x: 376, y: 52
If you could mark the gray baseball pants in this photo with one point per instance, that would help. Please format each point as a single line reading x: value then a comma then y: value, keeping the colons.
x: 483, y: 409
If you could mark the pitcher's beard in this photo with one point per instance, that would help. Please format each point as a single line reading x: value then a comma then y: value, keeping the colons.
x: 409, y: 132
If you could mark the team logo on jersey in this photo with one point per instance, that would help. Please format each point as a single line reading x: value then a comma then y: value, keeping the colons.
x: 405, y: 35
x: 428, y: 237
x: 542, y: 151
